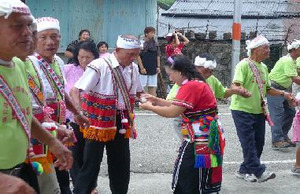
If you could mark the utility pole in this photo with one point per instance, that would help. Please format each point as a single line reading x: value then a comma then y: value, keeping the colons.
x: 236, y: 35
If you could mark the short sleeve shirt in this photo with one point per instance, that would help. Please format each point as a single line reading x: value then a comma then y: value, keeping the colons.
x: 218, y: 89
x: 13, y: 139
x: 195, y: 96
x: 244, y: 76
x: 283, y: 71
x: 149, y: 56
x: 98, y: 78
x: 171, y: 51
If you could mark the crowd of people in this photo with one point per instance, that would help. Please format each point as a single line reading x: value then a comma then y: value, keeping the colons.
x: 56, y: 119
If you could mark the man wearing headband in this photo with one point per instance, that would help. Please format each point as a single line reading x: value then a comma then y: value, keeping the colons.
x: 283, y: 74
x: 249, y: 113
x: 17, y: 124
x: 110, y: 86
x: 205, y: 64
x: 50, y: 99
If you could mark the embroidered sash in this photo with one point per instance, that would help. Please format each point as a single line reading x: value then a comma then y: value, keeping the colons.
x: 57, y: 85
x: 260, y: 87
x: 51, y: 76
x: 36, y: 88
x: 11, y: 99
x: 202, y: 129
x: 120, y: 82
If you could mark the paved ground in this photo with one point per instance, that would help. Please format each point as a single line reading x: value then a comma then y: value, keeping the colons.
x: 154, y: 152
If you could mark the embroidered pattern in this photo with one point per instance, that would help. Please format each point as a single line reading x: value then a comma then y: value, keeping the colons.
x: 51, y: 76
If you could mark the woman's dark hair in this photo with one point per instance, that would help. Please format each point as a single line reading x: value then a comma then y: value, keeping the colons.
x: 89, y: 46
x: 82, y: 31
x: 171, y: 39
x: 207, y: 56
x: 102, y: 43
x: 182, y: 64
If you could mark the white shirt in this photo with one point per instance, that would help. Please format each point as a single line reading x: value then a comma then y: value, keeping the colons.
x: 98, y: 78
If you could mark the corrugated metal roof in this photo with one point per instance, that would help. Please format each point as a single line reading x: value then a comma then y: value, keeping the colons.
x: 221, y: 8
x: 217, y: 15
x: 273, y: 29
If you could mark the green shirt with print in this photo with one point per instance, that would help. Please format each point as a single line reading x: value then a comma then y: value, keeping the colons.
x: 13, y: 139
x: 244, y: 76
x: 216, y: 86
x: 283, y: 71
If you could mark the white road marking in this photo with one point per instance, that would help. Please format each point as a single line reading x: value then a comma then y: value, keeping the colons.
x: 268, y: 162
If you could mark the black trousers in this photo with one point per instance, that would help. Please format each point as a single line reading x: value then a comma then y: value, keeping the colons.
x: 77, y: 152
x: 63, y: 179
x: 118, y: 160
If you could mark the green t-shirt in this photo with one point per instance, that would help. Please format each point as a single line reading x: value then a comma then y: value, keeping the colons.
x: 173, y: 92
x: 13, y: 140
x: 216, y: 86
x: 283, y: 71
x: 298, y: 65
x: 244, y: 76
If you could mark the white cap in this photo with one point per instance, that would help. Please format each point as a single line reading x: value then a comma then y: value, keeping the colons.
x: 47, y: 23
x: 202, y: 62
x: 294, y: 45
x: 169, y: 34
x: 128, y: 42
x: 256, y: 42
x: 8, y: 7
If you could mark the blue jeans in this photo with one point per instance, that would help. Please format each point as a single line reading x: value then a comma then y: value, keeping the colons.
x: 251, y: 133
x: 282, y: 115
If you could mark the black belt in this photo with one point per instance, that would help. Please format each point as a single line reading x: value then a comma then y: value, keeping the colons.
x: 277, y: 86
x: 15, y: 171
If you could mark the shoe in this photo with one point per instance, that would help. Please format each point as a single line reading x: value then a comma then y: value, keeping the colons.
x: 266, y: 176
x: 291, y: 144
x: 295, y: 171
x: 247, y: 177
x: 279, y: 145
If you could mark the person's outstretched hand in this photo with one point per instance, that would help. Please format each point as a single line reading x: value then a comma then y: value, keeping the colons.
x: 64, y: 156
x: 146, y: 105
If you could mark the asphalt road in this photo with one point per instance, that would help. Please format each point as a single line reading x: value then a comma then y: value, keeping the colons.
x: 154, y: 151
